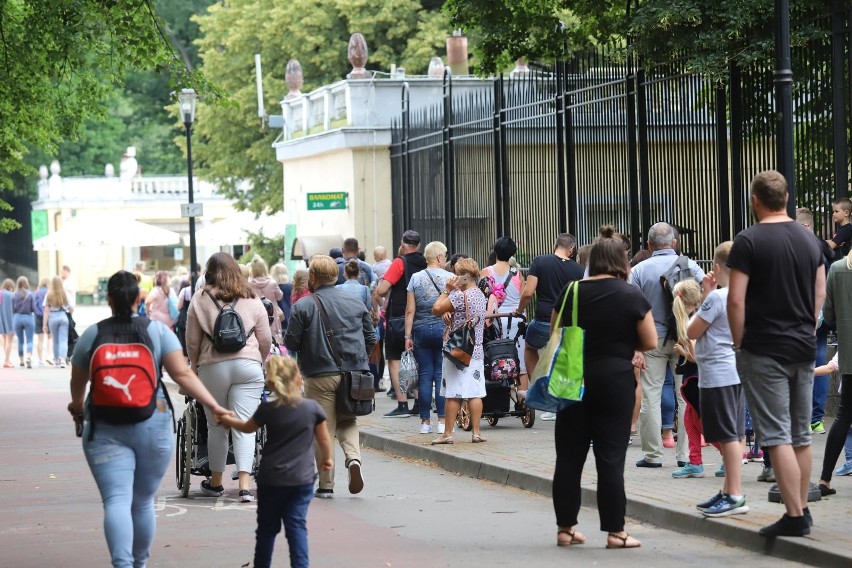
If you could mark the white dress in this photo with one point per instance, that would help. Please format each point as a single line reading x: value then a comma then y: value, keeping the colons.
x: 460, y: 381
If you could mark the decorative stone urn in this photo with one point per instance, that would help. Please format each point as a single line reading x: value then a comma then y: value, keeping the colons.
x: 436, y: 68
x: 293, y: 76
x: 358, y: 57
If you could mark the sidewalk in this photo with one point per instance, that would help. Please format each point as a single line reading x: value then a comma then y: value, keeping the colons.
x: 524, y: 458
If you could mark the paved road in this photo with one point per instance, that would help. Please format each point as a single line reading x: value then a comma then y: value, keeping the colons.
x: 412, y: 514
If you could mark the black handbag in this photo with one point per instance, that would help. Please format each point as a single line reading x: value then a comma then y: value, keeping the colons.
x: 356, y: 395
x: 461, y: 342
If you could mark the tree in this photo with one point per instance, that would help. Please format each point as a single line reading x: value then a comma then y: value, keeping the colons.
x: 60, y: 61
x: 709, y: 34
x: 232, y: 147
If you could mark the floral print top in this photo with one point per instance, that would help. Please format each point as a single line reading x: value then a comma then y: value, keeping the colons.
x: 476, y: 307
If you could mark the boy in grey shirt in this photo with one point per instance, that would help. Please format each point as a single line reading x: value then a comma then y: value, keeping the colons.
x: 722, y: 398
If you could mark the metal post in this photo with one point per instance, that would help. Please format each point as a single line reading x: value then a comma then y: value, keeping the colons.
x: 838, y: 100
x: 784, y: 102
x: 561, y: 190
x: 193, y: 258
x: 496, y: 150
x: 738, y: 188
x: 722, y: 163
x: 632, y: 153
x: 449, y: 185
x: 406, y: 161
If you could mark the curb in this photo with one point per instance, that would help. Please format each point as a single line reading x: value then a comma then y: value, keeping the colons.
x: 734, y: 531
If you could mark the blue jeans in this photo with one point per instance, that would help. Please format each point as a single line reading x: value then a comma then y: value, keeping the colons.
x: 820, y: 383
x: 428, y: 341
x: 287, y: 504
x: 57, y: 323
x: 128, y: 462
x: 847, y: 448
x: 667, y: 403
x: 538, y: 334
x: 24, y: 325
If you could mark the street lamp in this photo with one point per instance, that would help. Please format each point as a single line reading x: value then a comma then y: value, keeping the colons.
x: 187, y: 99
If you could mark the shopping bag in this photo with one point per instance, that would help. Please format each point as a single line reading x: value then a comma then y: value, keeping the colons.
x: 408, y: 371
x: 562, y: 358
x: 539, y: 398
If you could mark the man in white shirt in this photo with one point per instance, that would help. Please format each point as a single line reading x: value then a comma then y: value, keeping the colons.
x: 70, y: 285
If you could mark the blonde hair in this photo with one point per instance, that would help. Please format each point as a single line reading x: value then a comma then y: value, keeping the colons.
x: 9, y: 284
x: 56, y: 296
x: 685, y: 292
x: 279, y: 273
x: 43, y: 283
x: 469, y: 267
x: 324, y: 270
x: 300, y: 279
x: 281, y: 375
x: 722, y: 252
x: 258, y: 267
x: 433, y: 250
x: 244, y: 270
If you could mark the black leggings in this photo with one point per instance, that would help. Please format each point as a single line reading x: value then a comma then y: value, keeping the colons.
x: 603, y: 417
x: 839, y: 430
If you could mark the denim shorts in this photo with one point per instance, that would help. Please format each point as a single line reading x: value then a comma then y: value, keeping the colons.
x: 538, y: 333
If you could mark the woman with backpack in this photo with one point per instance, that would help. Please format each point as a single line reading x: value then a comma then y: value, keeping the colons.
x: 128, y: 459
x: 22, y: 319
x: 228, y: 339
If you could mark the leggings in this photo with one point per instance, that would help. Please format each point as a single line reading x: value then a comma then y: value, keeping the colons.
x: 236, y: 384
x: 839, y: 430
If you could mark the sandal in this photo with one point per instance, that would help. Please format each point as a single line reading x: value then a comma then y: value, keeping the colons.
x: 634, y: 544
x: 476, y: 439
x: 442, y: 440
x: 576, y: 538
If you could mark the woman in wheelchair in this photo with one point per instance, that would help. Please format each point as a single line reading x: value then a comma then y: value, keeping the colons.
x: 128, y: 459
x: 235, y: 379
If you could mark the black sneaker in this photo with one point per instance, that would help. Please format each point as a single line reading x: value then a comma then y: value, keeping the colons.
x: 808, y: 517
x: 415, y: 410
x: 787, y: 526
x: 711, y: 501
x: 645, y: 463
x: 210, y: 490
x: 246, y: 496
x: 324, y: 494
x: 398, y: 412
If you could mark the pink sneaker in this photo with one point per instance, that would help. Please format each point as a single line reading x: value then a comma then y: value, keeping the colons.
x: 669, y: 442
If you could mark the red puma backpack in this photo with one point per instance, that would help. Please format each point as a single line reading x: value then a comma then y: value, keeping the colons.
x: 125, y: 378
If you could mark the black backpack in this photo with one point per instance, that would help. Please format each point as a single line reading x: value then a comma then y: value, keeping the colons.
x: 678, y: 272
x: 229, y: 334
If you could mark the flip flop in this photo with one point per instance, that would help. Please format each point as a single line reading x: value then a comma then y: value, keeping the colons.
x: 440, y: 440
x: 623, y: 540
x: 576, y: 538
x: 478, y: 440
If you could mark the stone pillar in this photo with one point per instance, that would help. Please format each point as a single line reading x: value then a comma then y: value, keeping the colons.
x: 457, y: 54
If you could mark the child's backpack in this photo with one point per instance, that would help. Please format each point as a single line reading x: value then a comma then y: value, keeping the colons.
x: 125, y: 377
x: 229, y: 334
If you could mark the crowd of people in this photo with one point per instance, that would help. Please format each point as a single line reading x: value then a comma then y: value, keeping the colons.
x: 38, y: 319
x: 739, y: 340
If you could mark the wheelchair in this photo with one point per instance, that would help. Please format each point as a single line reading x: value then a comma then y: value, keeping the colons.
x: 191, y: 449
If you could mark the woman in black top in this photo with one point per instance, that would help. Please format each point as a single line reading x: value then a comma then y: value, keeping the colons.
x: 617, y: 321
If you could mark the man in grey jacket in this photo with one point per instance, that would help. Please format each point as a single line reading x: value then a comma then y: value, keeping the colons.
x: 662, y: 242
x: 354, y: 337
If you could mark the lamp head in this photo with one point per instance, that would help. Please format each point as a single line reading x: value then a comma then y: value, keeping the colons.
x: 187, y: 99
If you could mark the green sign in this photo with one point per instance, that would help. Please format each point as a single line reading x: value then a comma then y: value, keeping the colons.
x: 39, y: 224
x: 327, y: 201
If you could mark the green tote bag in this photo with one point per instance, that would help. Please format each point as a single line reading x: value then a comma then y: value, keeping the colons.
x: 566, y: 365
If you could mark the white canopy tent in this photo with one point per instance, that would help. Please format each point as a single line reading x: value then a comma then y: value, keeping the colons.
x: 235, y: 229
x: 110, y: 231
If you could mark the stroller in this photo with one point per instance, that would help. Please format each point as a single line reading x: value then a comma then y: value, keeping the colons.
x: 502, y: 377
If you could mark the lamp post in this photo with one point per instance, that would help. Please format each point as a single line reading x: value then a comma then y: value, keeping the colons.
x: 784, y: 102
x: 187, y: 99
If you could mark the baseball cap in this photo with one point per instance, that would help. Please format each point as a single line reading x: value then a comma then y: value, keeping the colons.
x: 335, y: 252
x: 410, y: 237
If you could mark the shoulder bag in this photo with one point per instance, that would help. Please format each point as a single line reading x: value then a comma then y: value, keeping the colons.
x: 355, y: 395
x: 460, y: 344
x: 561, y: 361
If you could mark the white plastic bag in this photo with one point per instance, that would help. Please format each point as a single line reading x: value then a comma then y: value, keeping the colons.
x: 408, y: 372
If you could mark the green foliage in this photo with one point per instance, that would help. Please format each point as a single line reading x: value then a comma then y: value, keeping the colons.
x: 6, y: 224
x: 270, y: 249
x: 708, y: 33
x: 231, y: 146
x: 60, y: 62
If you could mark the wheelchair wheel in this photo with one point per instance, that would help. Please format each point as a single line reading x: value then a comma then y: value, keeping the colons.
x: 463, y: 420
x: 180, y: 455
x: 492, y: 420
x: 186, y: 449
x: 528, y: 418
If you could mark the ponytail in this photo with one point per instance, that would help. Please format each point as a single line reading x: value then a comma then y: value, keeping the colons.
x: 123, y: 290
x: 685, y: 292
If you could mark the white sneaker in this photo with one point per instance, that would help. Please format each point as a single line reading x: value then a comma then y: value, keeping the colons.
x: 548, y: 416
x: 425, y: 428
x: 440, y: 429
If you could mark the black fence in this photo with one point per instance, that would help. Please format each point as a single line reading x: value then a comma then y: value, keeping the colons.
x: 597, y: 140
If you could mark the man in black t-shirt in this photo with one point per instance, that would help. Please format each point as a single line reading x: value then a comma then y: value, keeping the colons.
x: 548, y: 275
x: 841, y: 214
x: 776, y: 290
